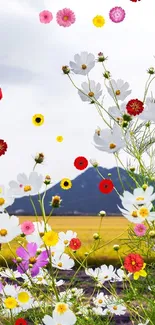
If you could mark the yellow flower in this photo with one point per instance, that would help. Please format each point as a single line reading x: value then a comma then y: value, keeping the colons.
x: 38, y: 119
x: 50, y: 238
x: 10, y: 303
x: 142, y: 273
x: 66, y: 183
x: 59, y: 138
x: 23, y: 297
x: 98, y: 21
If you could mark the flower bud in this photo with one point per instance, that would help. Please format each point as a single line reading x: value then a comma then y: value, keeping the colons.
x: 151, y: 70
x: 132, y: 169
x: 144, y: 186
x: 101, y: 57
x: 66, y: 69
x: 96, y: 236
x: 148, y: 124
x: 152, y: 233
x: 127, y: 117
x: 94, y: 163
x: 107, y: 75
x: 56, y: 201
x: 39, y: 251
x: 73, y: 290
x: 39, y: 158
x: 109, y: 174
x: 86, y: 253
x: 30, y: 265
x: 124, y: 124
x: 102, y: 213
x: 47, y: 180
x: 116, y: 247
x: 18, y: 259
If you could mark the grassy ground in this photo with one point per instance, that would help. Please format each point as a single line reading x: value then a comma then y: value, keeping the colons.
x: 112, y: 227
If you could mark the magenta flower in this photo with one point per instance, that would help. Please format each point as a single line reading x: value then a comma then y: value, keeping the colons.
x: 45, y: 17
x: 27, y: 227
x: 117, y: 14
x: 140, y: 229
x: 65, y: 17
x: 29, y: 256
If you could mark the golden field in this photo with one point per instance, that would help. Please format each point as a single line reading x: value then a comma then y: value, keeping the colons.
x: 112, y: 230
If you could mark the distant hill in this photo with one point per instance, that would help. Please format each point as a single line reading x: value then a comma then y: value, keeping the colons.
x: 84, y: 198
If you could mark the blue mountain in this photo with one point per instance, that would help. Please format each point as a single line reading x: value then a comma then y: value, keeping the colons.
x: 84, y: 198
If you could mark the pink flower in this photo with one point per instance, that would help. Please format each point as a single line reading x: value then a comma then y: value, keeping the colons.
x: 65, y: 17
x: 45, y: 17
x: 27, y: 227
x: 140, y: 229
x: 117, y: 14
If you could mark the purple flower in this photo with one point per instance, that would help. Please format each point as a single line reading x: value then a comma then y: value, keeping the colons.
x: 29, y: 256
x: 117, y: 14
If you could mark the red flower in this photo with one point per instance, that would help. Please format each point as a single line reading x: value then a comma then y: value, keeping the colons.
x: 3, y: 147
x: 133, y: 262
x: 106, y: 186
x: 134, y: 0
x: 80, y: 163
x: 134, y: 107
x: 21, y: 321
x: 75, y: 244
x: 1, y: 94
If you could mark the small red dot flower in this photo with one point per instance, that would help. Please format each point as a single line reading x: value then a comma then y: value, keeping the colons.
x: 1, y: 94
x: 75, y: 244
x: 21, y: 321
x: 133, y: 262
x: 3, y: 147
x: 135, y: 0
x: 134, y: 107
x: 81, y: 163
x: 106, y: 186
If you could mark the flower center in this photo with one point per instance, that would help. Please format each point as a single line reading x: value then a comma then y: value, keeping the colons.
x: 2, y: 201
x: 112, y: 145
x: 115, y: 307
x: 65, y: 18
x: 134, y: 214
x: 61, y: 308
x: 140, y: 198
x: 3, y: 232
x: 38, y: 119
x: 98, y: 132
x: 10, y: 302
x: 117, y: 92
x: 52, y: 253
x: 91, y: 94
x: 65, y: 241
x: 60, y: 264
x: 83, y: 66
x: 41, y: 234
x: 23, y: 297
x: 39, y: 278
x: 100, y: 301
x: 66, y: 183
x: 32, y: 260
x: 133, y: 262
x: 135, y: 106
x: 143, y: 212
x: 106, y: 277
x: 27, y: 188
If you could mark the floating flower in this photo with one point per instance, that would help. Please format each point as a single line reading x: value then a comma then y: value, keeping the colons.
x: 135, y: 107
x: 75, y: 243
x: 1, y: 94
x: 50, y: 238
x: 65, y: 17
x: 45, y: 17
x: 98, y: 21
x: 136, y: 1
x: 27, y: 227
x: 59, y: 138
x: 39, y: 158
x: 83, y: 63
x: 140, y: 229
x: 91, y: 89
x: 38, y: 119
x: 133, y: 262
x: 106, y: 186
x: 117, y: 14
x: 26, y: 185
x: 120, y: 89
x: 80, y: 163
x: 21, y: 321
x: 65, y: 184
x: 3, y: 147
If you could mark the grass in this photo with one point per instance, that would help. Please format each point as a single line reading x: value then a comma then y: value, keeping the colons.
x: 112, y: 227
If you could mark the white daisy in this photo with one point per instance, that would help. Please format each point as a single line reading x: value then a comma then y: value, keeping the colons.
x: 120, y: 89
x: 139, y: 196
x: 99, y: 301
x: 62, y: 313
x: 9, y: 228
x: 26, y: 185
x: 91, y: 90
x: 6, y: 198
x: 63, y: 262
x: 83, y: 63
x: 106, y: 273
x: 117, y: 309
x: 110, y: 140
x: 65, y: 238
x: 10, y: 274
x: 138, y: 214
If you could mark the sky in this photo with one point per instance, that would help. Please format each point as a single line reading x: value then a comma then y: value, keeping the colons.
x: 31, y: 57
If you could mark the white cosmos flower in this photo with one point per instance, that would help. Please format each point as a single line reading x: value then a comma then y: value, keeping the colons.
x: 41, y: 278
x: 62, y: 313
x: 149, y: 109
x: 26, y: 185
x: 36, y: 236
x: 10, y: 274
x: 119, y: 276
x: 93, y: 273
x: 110, y: 140
x: 139, y: 196
x: 48, y: 320
x: 91, y: 90
x: 117, y: 309
x: 120, y: 89
x: 63, y: 262
x: 99, y: 311
x: 83, y: 63
x: 137, y: 214
x: 65, y: 238
x: 100, y: 301
x: 9, y: 227
x: 117, y: 113
x: 6, y: 198
x: 106, y: 273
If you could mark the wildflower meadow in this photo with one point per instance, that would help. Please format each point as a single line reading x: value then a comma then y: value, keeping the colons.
x: 45, y: 280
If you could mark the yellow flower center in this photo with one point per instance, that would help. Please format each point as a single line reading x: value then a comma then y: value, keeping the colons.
x: 65, y: 241
x: 143, y: 212
x: 2, y: 201
x: 52, y: 253
x: 117, y: 92
x: 140, y: 198
x: 1, y: 190
x: 112, y: 145
x: 83, y: 66
x: 134, y: 214
x: 23, y: 297
x: 106, y: 277
x: 41, y: 234
x: 98, y: 132
x: 133, y: 262
x: 61, y: 308
x: 100, y: 301
x: 65, y: 18
x: 32, y: 260
x: 39, y: 278
x: 10, y: 303
x: 115, y: 307
x: 51, y: 238
x: 27, y: 188
x: 91, y: 94
x: 3, y: 232
x: 60, y: 264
